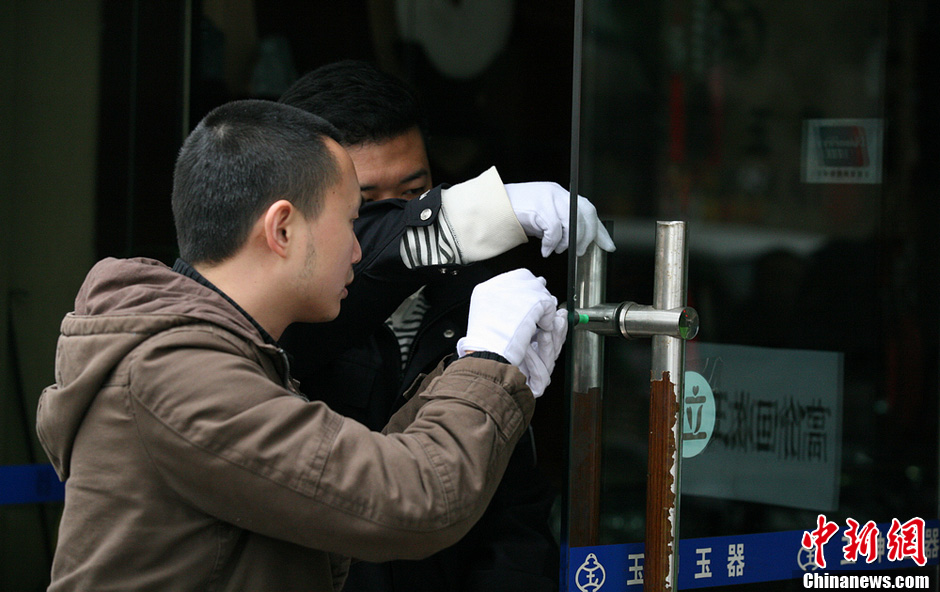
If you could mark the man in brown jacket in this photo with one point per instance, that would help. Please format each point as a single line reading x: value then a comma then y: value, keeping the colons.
x: 192, y: 461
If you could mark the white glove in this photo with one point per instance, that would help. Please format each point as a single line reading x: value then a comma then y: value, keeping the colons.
x: 543, y: 210
x: 543, y: 351
x: 504, y: 312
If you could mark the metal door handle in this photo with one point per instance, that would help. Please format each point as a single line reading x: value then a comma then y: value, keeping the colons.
x: 670, y: 324
x: 631, y: 320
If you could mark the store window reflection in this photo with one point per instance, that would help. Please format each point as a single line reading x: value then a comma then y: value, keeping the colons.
x: 708, y: 111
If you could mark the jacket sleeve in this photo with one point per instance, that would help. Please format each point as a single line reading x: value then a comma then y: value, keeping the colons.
x: 510, y: 547
x: 248, y: 451
x: 476, y: 222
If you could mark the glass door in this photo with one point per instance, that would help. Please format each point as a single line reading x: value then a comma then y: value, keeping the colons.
x: 796, y: 141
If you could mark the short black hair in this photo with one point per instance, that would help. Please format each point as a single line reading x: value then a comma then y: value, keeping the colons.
x: 366, y: 104
x: 242, y: 157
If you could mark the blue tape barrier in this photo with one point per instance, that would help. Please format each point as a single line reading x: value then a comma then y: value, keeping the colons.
x: 728, y: 560
x: 30, y: 484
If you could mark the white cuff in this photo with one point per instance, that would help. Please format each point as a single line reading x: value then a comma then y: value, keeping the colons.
x: 481, y: 218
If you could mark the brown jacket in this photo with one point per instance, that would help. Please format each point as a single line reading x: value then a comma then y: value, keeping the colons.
x: 191, y: 462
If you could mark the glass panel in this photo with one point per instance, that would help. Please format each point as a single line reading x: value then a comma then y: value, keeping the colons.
x: 785, y: 135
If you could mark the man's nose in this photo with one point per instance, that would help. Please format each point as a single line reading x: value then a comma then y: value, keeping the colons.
x: 357, y: 252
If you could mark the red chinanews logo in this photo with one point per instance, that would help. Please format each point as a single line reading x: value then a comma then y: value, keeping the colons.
x: 904, y: 541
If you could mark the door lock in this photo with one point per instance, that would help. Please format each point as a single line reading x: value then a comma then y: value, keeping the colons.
x: 631, y: 320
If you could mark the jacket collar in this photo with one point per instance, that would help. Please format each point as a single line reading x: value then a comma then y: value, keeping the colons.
x: 184, y: 268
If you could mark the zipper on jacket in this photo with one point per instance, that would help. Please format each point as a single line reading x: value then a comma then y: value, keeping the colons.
x: 285, y: 377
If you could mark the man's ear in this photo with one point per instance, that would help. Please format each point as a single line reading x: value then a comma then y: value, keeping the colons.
x: 278, y: 226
